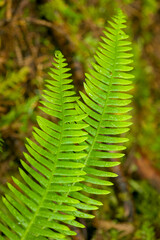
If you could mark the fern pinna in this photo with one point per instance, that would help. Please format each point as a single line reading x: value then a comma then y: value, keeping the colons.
x: 76, y: 149
x: 105, y: 103
x: 41, y: 203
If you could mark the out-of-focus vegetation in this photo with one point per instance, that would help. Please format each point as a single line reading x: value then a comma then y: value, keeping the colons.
x: 30, y: 32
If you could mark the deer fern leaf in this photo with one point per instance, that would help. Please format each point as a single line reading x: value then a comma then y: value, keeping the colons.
x: 105, y: 102
x: 40, y: 203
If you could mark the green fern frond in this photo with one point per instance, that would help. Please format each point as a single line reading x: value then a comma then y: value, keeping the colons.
x: 39, y: 208
x: 106, y: 102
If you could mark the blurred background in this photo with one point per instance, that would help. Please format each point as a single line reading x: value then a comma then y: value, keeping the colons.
x: 30, y: 32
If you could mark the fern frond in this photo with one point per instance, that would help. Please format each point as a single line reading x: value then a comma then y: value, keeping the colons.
x: 40, y: 204
x: 105, y: 102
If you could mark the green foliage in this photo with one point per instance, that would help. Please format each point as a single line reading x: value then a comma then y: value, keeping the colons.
x: 21, y: 113
x: 13, y: 90
x: 11, y: 86
x: 63, y: 155
x: 148, y: 197
x: 146, y: 232
x: 54, y: 8
x: 148, y: 138
x: 148, y: 215
x: 114, y: 234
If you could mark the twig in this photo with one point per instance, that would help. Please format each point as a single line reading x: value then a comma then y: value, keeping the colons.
x: 18, y: 53
x: 126, y: 228
x: 39, y: 22
x: 9, y: 10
